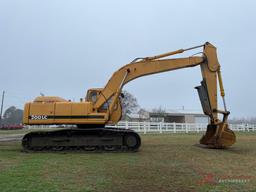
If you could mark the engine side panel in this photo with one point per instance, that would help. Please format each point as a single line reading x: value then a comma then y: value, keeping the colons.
x: 62, y: 113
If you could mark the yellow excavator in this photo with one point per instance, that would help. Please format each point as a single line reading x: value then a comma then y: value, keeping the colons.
x: 102, y: 106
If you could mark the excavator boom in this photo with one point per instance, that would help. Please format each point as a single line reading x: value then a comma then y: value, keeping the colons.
x: 102, y: 106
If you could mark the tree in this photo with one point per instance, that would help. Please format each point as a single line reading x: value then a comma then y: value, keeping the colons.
x: 251, y: 120
x: 158, y: 114
x: 159, y: 110
x: 12, y: 116
x: 129, y: 103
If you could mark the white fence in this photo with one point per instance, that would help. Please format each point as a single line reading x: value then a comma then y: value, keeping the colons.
x: 161, y: 127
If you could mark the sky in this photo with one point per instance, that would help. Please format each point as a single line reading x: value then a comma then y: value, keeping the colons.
x: 63, y: 48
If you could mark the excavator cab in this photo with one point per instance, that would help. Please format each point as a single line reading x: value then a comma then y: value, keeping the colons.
x: 92, y: 95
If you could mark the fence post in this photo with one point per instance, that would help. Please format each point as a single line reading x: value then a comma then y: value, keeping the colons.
x: 174, y: 127
x: 126, y: 124
x: 149, y: 126
x: 144, y: 128
x: 197, y: 128
x: 160, y: 126
x: 231, y: 127
x: 186, y: 128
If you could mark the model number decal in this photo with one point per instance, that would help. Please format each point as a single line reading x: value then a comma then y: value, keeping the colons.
x: 38, y: 117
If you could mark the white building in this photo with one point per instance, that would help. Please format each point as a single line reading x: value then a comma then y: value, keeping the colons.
x: 170, y: 116
x: 179, y: 116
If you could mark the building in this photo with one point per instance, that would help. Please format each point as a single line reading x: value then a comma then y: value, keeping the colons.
x: 169, y: 116
x: 179, y: 116
x: 141, y: 115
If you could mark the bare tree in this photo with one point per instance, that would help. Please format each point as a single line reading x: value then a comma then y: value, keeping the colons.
x: 129, y: 103
x: 159, y: 110
x: 251, y: 120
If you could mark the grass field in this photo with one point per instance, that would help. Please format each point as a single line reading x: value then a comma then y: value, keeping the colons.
x: 164, y: 163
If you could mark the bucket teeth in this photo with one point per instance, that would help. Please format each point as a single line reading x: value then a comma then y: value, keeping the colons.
x: 218, y: 136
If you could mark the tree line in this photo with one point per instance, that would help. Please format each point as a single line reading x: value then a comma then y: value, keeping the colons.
x: 12, y: 116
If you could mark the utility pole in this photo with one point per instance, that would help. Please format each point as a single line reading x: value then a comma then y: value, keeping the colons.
x: 2, y: 105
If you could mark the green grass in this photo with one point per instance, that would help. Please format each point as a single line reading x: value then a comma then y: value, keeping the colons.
x: 164, y: 163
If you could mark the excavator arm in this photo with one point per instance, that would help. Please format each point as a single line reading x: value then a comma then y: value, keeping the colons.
x: 218, y: 134
x: 139, y: 69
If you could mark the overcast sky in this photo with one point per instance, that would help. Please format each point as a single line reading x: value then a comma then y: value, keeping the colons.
x: 63, y: 48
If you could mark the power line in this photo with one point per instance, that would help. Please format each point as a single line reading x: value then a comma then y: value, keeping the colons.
x: 2, y: 104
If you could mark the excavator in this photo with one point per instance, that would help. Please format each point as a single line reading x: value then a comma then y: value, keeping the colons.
x: 102, y: 106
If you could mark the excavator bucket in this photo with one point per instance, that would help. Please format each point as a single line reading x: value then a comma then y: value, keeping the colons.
x: 218, y: 136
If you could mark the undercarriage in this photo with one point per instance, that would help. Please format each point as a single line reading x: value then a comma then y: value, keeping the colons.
x: 89, y: 139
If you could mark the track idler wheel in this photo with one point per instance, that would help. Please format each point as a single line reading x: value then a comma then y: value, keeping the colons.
x: 218, y: 136
x: 132, y: 141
